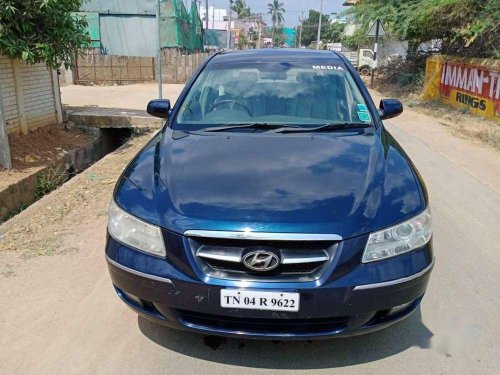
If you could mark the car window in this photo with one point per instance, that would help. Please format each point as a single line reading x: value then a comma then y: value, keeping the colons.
x: 277, y: 93
x: 368, y: 54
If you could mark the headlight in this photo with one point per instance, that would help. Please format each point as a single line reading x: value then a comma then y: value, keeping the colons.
x: 399, y: 239
x: 133, y: 232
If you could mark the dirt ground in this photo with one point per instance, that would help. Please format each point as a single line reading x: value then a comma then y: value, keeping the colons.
x: 38, y: 149
x: 41, y: 232
x: 59, y: 313
x: 458, y: 122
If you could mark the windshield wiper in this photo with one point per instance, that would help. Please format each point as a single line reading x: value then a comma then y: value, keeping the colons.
x: 255, y: 125
x: 327, y: 127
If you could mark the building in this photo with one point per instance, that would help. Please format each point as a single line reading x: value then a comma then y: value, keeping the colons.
x: 218, y: 25
x: 130, y: 27
x: 216, y: 32
x: 350, y: 23
x: 338, y: 18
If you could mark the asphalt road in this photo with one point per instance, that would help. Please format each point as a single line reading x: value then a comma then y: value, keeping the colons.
x: 59, y: 313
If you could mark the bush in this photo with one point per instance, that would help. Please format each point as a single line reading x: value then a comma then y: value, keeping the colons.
x: 405, y: 78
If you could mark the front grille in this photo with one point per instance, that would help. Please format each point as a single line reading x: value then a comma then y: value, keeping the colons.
x: 299, y: 260
x: 259, y: 325
x: 284, y: 269
x: 289, y: 245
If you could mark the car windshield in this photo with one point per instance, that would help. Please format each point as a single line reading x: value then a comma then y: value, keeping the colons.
x: 273, y: 93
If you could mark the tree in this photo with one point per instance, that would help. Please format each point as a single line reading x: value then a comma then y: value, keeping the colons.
x: 357, y: 40
x: 278, y: 36
x: 242, y: 9
x: 463, y: 27
x: 243, y: 40
x: 310, y: 27
x: 42, y: 30
x: 276, y: 10
x: 333, y: 33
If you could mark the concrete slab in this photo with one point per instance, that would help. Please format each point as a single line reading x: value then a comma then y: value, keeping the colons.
x: 112, y: 118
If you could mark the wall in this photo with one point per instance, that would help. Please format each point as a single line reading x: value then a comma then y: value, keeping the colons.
x: 8, y: 86
x: 179, y: 68
x: 24, y: 192
x: 38, y: 95
x: 30, y: 96
x: 65, y: 76
x: 469, y: 84
x: 5, y: 159
x: 94, y: 68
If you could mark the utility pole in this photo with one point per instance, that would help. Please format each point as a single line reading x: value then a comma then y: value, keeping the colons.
x: 158, y: 55
x: 260, y: 33
x: 301, y: 19
x: 206, y: 14
x: 377, y: 31
x: 229, y: 24
x: 319, y: 23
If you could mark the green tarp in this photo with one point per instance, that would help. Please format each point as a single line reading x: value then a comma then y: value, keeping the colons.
x: 179, y: 28
x: 93, y: 27
x: 289, y: 36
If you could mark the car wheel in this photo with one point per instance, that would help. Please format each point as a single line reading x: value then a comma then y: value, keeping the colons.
x: 365, y: 71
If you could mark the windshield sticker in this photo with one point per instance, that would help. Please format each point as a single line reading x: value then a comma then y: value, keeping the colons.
x: 327, y: 67
x: 362, y: 108
x: 363, y: 113
x: 364, y: 116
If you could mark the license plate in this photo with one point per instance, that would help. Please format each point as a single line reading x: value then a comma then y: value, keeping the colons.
x: 248, y: 299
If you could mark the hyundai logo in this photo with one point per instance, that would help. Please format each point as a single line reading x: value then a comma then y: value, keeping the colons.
x: 261, y: 260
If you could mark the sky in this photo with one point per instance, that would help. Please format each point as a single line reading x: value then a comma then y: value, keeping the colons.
x: 294, y: 8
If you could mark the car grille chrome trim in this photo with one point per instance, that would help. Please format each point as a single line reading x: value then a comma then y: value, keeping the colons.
x: 267, y: 236
x: 235, y: 255
x: 226, y: 256
x: 397, y: 281
x: 291, y: 258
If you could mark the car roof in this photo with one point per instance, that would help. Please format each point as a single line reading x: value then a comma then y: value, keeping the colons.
x: 276, y: 55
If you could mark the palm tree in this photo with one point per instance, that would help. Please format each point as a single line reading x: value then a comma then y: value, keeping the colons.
x: 241, y: 7
x: 276, y: 10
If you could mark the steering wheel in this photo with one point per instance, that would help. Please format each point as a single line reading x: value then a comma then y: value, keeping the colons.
x: 233, y: 103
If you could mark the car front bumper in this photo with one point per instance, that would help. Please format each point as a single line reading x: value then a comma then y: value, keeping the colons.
x: 341, y: 307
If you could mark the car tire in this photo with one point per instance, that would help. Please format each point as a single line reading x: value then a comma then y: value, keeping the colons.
x: 365, y: 71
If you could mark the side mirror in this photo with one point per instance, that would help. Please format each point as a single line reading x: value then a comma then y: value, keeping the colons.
x: 390, y: 108
x: 159, y: 108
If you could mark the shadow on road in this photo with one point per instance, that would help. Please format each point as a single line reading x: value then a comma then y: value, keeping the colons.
x: 318, y: 354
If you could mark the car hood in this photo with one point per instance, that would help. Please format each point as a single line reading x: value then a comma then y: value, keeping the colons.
x: 345, y: 183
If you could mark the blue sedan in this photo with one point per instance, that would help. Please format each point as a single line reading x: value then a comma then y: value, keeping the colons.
x: 273, y: 204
